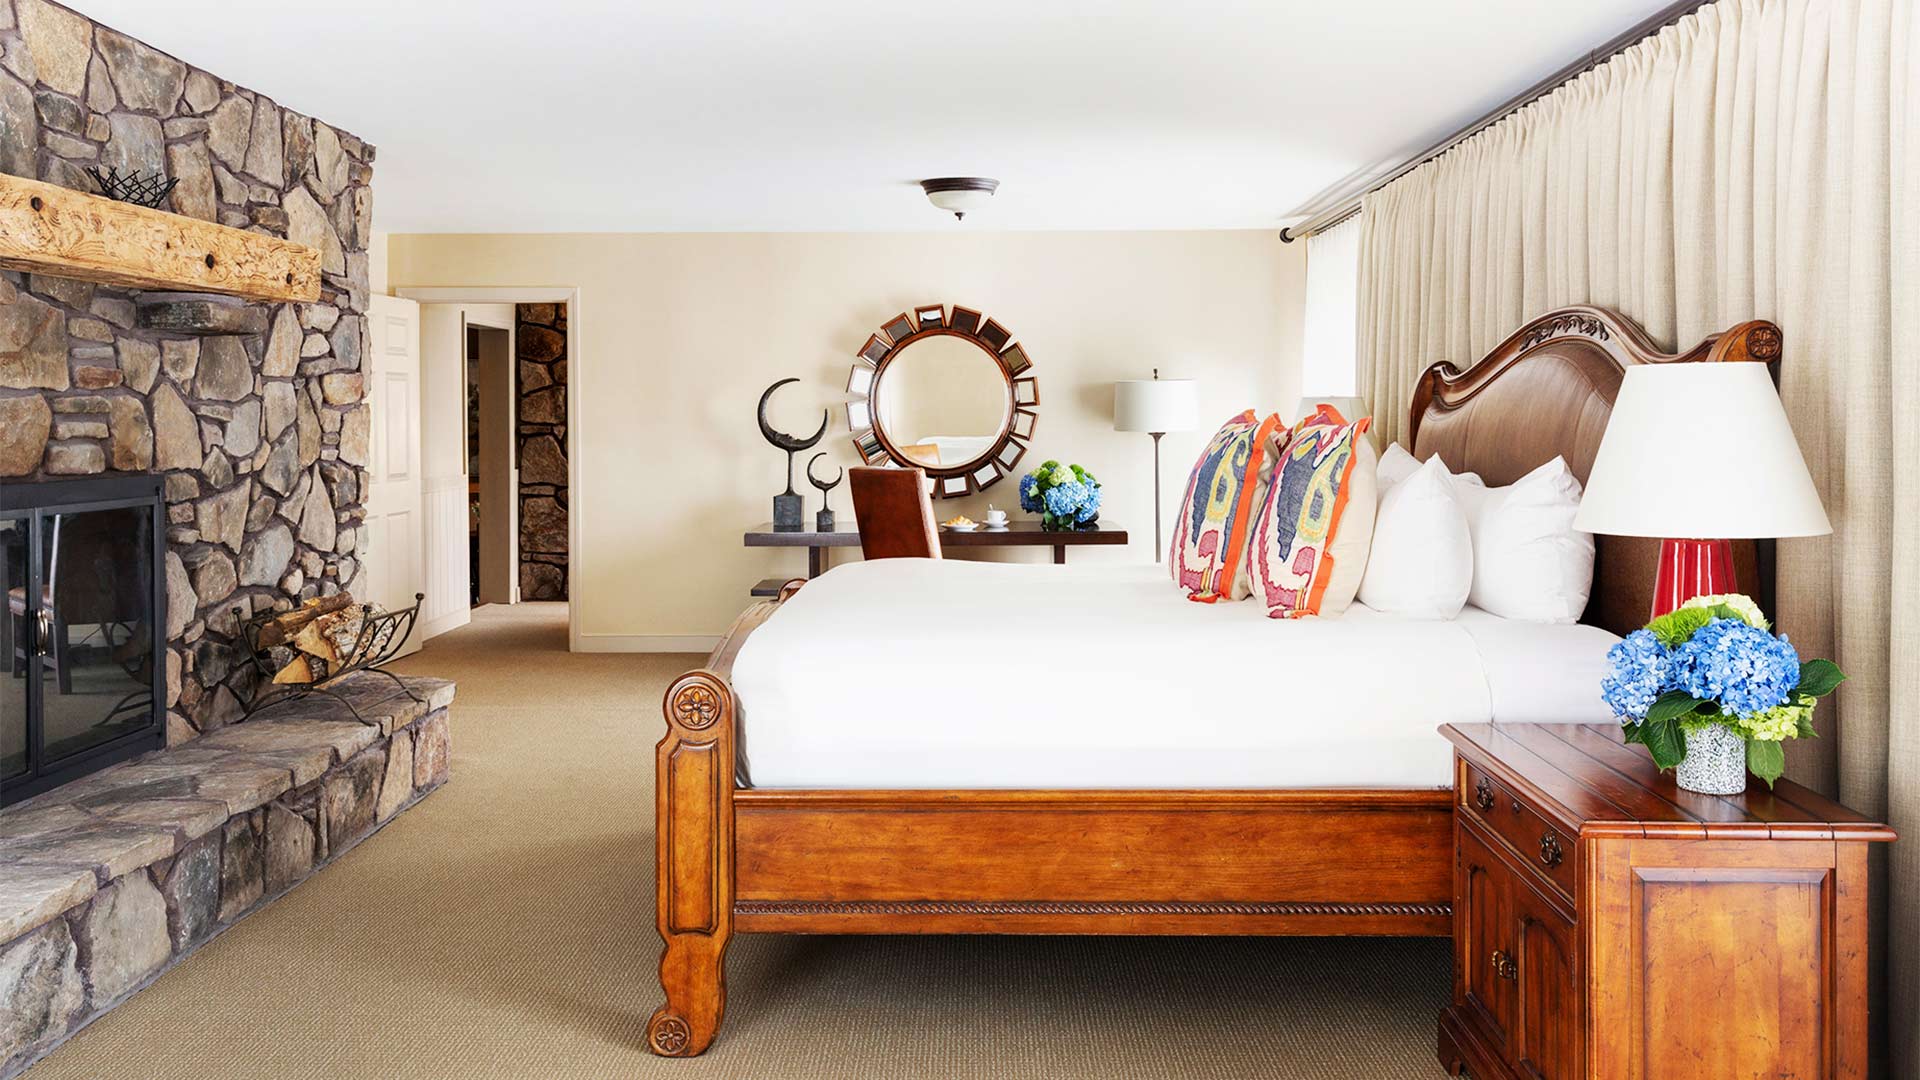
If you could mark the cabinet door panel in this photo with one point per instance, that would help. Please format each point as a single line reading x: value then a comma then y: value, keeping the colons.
x: 1485, y: 946
x: 1546, y: 1040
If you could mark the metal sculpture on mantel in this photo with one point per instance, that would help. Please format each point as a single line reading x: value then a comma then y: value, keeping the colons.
x: 789, y: 506
x: 823, y: 521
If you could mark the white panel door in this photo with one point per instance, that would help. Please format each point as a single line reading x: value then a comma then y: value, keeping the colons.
x: 396, y: 574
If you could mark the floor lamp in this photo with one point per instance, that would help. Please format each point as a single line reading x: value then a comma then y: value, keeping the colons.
x: 1155, y: 406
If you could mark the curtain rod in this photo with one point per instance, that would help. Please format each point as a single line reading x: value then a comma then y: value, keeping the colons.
x: 1343, y: 199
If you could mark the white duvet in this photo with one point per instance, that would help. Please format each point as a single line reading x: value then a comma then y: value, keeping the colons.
x: 912, y: 673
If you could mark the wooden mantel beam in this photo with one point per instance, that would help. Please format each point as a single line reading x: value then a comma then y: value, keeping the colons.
x: 48, y: 229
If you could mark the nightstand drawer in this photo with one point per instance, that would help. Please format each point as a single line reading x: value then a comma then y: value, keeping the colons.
x: 1540, y: 845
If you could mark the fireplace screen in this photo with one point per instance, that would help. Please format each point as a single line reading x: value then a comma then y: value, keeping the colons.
x: 83, y: 632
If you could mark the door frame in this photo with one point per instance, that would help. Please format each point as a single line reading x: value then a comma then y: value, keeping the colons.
x: 551, y: 294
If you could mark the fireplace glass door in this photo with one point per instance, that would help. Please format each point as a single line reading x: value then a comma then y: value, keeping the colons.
x: 96, y: 668
x: 15, y: 532
x: 83, y: 632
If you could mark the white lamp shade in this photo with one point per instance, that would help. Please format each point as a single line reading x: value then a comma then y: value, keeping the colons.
x: 1700, y: 451
x: 1155, y: 405
x: 1350, y: 408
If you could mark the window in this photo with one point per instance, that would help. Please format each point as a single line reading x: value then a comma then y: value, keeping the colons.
x: 1328, y: 364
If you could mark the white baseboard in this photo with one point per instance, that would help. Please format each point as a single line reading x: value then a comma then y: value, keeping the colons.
x: 646, y: 643
x: 433, y: 628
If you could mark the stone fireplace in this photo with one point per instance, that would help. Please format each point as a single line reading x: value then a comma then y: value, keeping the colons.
x: 251, y: 413
x: 242, y: 429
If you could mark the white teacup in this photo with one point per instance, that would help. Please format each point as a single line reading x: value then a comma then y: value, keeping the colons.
x: 996, y: 518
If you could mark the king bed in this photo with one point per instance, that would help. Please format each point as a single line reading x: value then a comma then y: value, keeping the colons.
x: 915, y: 747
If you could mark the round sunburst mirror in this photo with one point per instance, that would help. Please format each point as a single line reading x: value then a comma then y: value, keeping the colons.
x: 950, y: 392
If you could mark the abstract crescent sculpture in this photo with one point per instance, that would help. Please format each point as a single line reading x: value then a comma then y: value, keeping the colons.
x: 823, y: 521
x: 788, y: 506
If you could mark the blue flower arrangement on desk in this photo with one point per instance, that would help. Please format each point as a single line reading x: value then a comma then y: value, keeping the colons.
x: 1714, y: 660
x: 1065, y: 496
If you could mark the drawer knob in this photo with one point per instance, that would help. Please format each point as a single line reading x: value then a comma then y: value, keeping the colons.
x: 1504, y: 966
x: 1483, y: 794
x: 1550, y: 852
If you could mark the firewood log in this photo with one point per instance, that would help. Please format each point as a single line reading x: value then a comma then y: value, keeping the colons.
x: 296, y: 670
x: 342, y: 629
x: 312, y: 639
x: 282, y: 628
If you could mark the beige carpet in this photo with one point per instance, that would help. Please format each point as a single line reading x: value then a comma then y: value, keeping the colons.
x: 504, y: 928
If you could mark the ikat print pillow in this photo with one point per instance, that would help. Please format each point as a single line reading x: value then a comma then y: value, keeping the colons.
x: 1213, y: 527
x: 1315, y: 525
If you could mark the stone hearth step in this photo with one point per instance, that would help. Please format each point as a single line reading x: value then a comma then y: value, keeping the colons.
x: 109, y: 880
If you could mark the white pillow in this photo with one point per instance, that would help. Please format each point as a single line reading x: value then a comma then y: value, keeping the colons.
x: 1396, y: 465
x: 1529, y: 562
x: 1421, y: 564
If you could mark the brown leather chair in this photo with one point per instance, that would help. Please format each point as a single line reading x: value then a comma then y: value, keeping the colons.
x: 894, y: 514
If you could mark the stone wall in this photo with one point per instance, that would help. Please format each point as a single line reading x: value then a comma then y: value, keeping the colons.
x: 260, y: 430
x: 111, y: 879
x: 541, y: 335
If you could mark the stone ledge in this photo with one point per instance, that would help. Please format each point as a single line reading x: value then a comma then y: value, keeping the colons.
x: 108, y: 881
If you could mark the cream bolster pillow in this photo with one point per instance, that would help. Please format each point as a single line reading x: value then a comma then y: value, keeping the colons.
x: 1529, y: 562
x: 1421, y: 562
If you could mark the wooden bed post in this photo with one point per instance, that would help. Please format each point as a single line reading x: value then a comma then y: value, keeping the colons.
x: 693, y: 862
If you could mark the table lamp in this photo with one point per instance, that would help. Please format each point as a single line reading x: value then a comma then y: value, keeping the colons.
x: 1155, y: 406
x: 1698, y: 454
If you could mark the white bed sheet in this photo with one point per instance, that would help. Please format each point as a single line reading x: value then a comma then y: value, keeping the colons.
x: 910, y: 673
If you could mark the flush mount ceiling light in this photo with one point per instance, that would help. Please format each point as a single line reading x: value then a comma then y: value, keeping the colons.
x: 959, y: 194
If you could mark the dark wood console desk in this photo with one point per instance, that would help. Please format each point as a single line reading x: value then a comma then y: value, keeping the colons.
x: 1016, y: 534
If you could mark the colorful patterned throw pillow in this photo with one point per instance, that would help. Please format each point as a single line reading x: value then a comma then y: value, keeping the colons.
x: 1311, y: 534
x: 1211, y: 531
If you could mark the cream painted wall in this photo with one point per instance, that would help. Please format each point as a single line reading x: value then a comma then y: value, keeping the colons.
x: 679, y: 333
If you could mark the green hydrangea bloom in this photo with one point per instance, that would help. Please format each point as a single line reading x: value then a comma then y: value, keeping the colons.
x: 1779, y: 723
x: 1742, y: 607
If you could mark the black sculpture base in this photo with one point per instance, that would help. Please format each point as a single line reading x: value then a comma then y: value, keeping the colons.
x: 823, y: 521
x: 789, y: 513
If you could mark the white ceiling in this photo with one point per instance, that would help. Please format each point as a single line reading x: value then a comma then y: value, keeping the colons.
x: 601, y: 116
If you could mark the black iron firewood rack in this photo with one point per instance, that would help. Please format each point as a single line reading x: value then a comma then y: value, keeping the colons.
x: 381, y: 637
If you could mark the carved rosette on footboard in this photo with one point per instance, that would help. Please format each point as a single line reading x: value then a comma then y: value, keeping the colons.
x: 693, y: 806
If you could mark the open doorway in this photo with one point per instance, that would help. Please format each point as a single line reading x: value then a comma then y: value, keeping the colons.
x: 500, y: 434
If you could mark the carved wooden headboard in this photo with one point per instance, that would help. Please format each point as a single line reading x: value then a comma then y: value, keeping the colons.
x: 1548, y: 390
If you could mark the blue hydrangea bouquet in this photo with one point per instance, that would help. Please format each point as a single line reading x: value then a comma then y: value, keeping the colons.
x: 1065, y: 496
x: 1707, y: 677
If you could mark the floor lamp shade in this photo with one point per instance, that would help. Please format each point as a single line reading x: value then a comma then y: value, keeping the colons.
x: 1698, y: 454
x: 1155, y: 405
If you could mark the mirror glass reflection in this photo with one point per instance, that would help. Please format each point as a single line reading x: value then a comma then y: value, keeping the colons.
x: 942, y: 402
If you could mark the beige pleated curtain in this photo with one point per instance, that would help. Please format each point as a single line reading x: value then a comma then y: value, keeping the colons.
x: 1759, y: 159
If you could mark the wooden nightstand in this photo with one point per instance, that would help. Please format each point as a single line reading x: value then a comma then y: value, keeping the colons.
x: 1608, y: 925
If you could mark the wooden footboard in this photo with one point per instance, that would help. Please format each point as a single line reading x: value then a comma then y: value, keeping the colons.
x: 1006, y: 862
x: 1093, y: 862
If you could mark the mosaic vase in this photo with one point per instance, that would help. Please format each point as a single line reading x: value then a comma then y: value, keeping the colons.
x: 1716, y: 762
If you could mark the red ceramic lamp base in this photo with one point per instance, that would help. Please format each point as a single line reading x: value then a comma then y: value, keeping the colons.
x: 1690, y: 568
